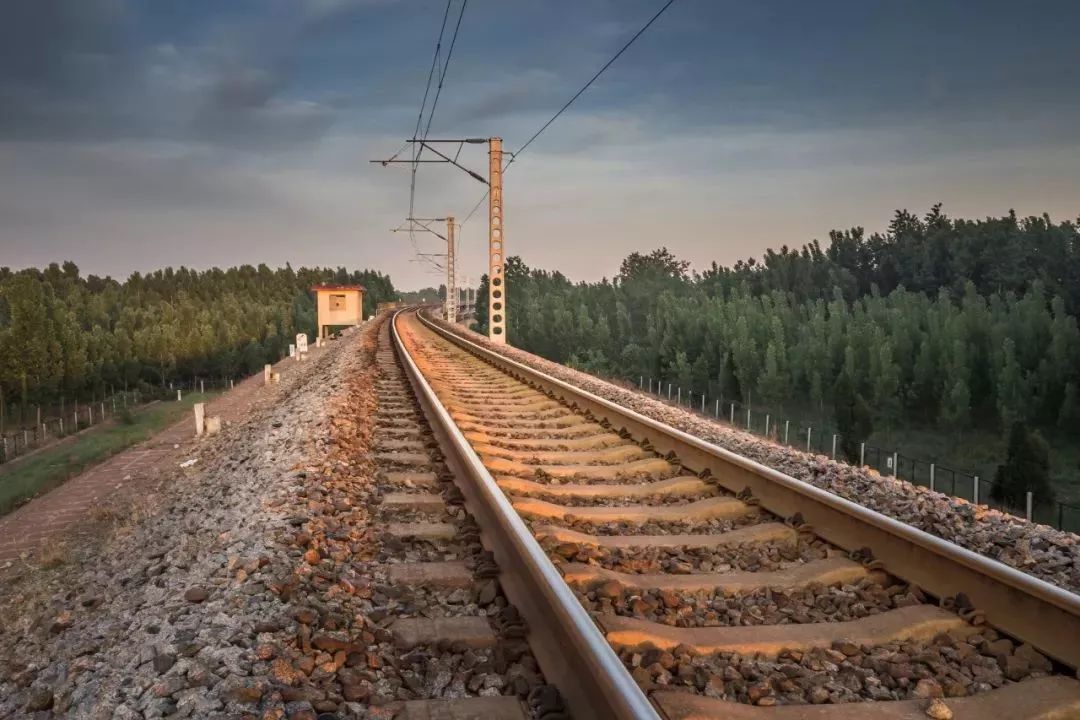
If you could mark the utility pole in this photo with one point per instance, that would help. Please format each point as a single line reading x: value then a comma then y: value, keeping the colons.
x: 497, y: 305
x: 496, y: 279
x: 451, y: 281
x: 450, y: 303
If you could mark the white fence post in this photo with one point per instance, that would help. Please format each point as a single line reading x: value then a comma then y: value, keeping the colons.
x: 895, y: 465
x: 640, y: 382
x: 766, y: 424
x: 1029, y: 498
x: 976, y: 491
x: 808, y: 438
x: 702, y: 403
x: 716, y: 413
x: 932, y: 477
x: 834, y: 446
x: 179, y: 395
x: 669, y: 391
x: 678, y: 397
x: 787, y: 426
x: 862, y: 454
x: 732, y: 413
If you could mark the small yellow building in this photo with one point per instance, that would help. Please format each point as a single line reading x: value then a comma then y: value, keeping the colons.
x: 338, y: 305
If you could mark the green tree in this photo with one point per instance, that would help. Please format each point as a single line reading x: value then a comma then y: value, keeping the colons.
x: 854, y: 420
x: 1026, y: 469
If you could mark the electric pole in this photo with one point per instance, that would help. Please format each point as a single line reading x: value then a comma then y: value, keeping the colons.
x: 496, y: 279
x: 451, y: 279
x: 497, y: 305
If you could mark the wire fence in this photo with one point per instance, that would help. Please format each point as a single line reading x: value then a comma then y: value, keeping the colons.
x: 61, y: 421
x: 824, y: 438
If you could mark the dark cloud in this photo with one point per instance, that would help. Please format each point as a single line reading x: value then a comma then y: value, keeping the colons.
x: 84, y: 70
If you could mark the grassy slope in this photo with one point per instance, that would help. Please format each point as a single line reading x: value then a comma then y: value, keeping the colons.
x: 52, y: 466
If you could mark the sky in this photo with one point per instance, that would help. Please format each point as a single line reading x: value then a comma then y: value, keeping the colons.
x: 138, y: 134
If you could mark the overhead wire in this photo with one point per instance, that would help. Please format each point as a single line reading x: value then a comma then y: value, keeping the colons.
x: 444, y: 68
x: 576, y: 95
x: 416, y: 149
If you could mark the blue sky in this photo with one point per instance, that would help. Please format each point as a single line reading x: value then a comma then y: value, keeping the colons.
x: 139, y: 134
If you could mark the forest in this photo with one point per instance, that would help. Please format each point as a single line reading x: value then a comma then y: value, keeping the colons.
x: 63, y: 335
x: 937, y: 322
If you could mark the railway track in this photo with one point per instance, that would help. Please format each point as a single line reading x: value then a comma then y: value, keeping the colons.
x: 461, y: 647
x: 655, y: 575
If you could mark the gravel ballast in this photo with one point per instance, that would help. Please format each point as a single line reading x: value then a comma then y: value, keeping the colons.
x: 1039, y: 550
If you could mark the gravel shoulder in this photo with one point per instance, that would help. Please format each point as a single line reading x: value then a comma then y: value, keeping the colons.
x: 1039, y: 550
x: 196, y: 598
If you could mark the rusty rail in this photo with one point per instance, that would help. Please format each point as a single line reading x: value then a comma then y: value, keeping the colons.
x: 569, y: 646
x: 1018, y: 604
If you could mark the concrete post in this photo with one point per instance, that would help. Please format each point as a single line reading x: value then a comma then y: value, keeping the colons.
x: 834, y: 446
x: 669, y: 391
x: 766, y: 424
x: 102, y: 411
x: 497, y: 305
x: 292, y: 350
x: 732, y: 413
x: 787, y: 426
x: 200, y: 415
x: 451, y: 273
x: 213, y: 425
x: 895, y: 464
x: 862, y: 454
x: 678, y: 397
x: 202, y: 387
x: 640, y: 382
x: 1027, y: 512
x: 266, y: 374
x: 747, y: 418
x: 702, y: 403
x: 90, y: 413
x: 932, y: 488
x: 808, y: 439
x: 179, y: 394
x: 716, y: 413
x: 976, y: 490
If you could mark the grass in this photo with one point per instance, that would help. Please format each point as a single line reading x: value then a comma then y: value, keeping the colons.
x: 52, y: 466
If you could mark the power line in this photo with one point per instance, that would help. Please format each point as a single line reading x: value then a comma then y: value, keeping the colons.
x: 420, y: 119
x: 445, y: 68
x: 578, y: 94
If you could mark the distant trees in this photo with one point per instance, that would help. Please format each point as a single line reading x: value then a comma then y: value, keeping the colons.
x: 1026, y: 469
x: 937, y: 321
x: 63, y: 335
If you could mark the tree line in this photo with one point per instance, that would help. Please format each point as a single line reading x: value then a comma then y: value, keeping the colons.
x: 957, y: 323
x: 63, y: 335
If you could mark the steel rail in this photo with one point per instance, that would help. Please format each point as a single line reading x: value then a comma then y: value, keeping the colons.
x: 1014, y: 602
x: 571, y: 650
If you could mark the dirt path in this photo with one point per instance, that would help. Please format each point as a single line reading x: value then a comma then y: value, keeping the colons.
x: 25, y: 530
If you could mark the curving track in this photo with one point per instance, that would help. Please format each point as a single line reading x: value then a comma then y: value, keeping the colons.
x: 664, y: 577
